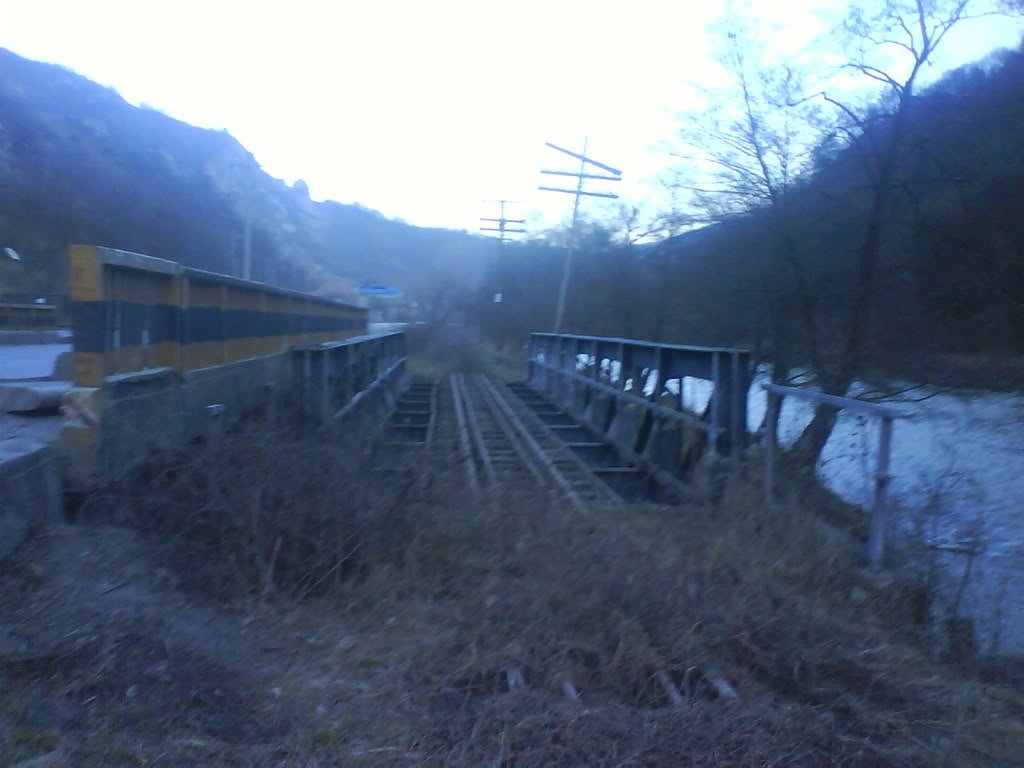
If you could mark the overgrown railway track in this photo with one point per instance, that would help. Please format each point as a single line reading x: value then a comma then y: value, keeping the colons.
x: 502, y: 443
x: 504, y: 438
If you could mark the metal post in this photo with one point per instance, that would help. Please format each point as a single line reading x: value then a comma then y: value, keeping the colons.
x: 307, y: 383
x: 325, y: 394
x: 269, y: 393
x: 247, y: 249
x: 737, y: 430
x: 659, y: 379
x: 879, y: 512
x: 774, y: 404
x: 716, y: 398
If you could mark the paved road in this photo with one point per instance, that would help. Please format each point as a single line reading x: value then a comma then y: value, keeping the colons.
x: 30, y: 361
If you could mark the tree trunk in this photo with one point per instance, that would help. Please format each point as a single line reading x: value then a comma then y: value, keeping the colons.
x: 809, y: 446
x: 837, y: 382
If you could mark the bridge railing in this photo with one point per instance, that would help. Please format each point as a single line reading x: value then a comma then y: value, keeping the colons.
x: 885, y: 416
x: 333, y: 380
x: 631, y: 392
x: 132, y: 312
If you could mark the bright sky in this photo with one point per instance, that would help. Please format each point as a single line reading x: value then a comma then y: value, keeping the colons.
x: 421, y: 109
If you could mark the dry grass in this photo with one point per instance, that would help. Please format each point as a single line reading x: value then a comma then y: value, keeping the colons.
x: 390, y: 622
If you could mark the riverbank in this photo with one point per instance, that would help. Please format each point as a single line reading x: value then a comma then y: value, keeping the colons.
x: 955, y: 372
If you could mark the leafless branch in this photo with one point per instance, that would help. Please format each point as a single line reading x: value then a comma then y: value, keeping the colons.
x: 881, y: 76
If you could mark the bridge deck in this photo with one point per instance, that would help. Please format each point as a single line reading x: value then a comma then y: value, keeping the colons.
x: 506, y: 437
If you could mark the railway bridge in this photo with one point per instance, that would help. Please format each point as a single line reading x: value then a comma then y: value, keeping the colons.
x: 161, y: 355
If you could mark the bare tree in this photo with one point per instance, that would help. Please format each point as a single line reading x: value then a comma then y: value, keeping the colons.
x: 892, y: 43
x: 746, y: 152
x: 750, y: 149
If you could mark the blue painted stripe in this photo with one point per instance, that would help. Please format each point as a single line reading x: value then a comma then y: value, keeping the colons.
x: 87, y: 320
x: 166, y: 325
x: 94, y: 323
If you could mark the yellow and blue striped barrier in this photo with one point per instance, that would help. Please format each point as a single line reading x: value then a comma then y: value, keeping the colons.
x: 132, y: 312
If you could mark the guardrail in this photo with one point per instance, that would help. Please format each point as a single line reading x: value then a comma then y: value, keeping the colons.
x: 27, y: 317
x: 880, y: 498
x: 623, y: 390
x: 132, y: 312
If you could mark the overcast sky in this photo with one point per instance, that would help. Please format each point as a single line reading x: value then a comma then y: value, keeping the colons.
x: 421, y: 110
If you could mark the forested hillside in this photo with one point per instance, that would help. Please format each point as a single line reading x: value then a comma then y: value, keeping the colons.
x: 783, y: 275
x: 78, y: 164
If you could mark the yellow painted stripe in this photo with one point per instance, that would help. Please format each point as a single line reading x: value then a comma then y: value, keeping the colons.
x: 85, y: 278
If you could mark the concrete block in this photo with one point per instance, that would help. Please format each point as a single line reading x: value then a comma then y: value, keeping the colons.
x: 31, y: 490
x: 579, y: 398
x: 142, y: 415
x: 32, y: 396
x: 625, y: 427
x: 596, y: 414
x: 109, y: 430
x: 63, y: 367
x: 241, y: 387
x: 664, y: 447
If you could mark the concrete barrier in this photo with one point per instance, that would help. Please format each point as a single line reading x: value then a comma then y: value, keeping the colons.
x: 163, y: 355
x: 32, y: 396
x: 110, y: 430
x: 161, y: 351
x: 31, y: 490
x: 133, y: 312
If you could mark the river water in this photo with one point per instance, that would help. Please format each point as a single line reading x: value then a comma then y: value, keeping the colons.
x: 956, y: 495
x: 958, y: 484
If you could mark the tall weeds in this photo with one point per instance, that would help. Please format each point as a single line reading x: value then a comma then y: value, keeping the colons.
x: 650, y: 615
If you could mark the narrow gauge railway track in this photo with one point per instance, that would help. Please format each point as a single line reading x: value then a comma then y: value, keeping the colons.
x: 501, y: 442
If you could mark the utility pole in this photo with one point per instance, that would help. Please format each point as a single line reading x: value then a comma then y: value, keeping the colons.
x: 502, y: 222
x: 247, y: 248
x: 502, y: 229
x: 616, y: 175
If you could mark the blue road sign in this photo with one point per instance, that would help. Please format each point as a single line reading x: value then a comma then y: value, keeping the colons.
x: 378, y: 290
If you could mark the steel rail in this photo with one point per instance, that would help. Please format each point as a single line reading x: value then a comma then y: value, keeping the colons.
x: 476, y: 434
x: 536, y: 465
x: 465, y: 445
x: 537, y: 454
x: 606, y: 494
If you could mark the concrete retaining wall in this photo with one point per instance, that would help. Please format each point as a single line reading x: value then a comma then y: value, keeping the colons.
x: 31, y: 490
x: 109, y: 430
